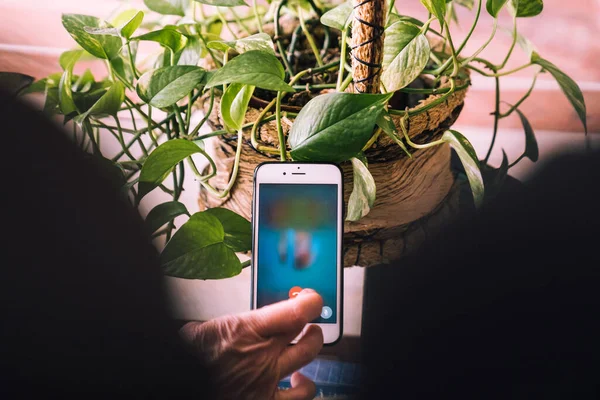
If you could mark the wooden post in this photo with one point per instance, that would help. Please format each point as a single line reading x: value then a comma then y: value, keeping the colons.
x: 367, y: 44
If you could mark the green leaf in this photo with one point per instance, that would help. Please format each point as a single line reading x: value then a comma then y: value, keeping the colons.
x: 234, y: 104
x: 255, y: 68
x: 405, y: 55
x: 437, y: 8
x: 223, y: 3
x: 165, y: 86
x: 238, y: 230
x: 168, y: 7
x: 84, y: 83
x: 569, y: 88
x: 470, y: 162
x: 192, y: 53
x: 384, y: 121
x: 131, y: 26
x: 161, y: 161
x: 68, y: 59
x: 167, y: 37
x: 65, y: 93
x: 531, y: 146
x: 339, y: 16
x: 164, y: 213
x: 526, y: 8
x: 108, y: 104
x: 363, y: 193
x: 494, y: 6
x: 466, y: 3
x: 198, y: 251
x: 101, y: 46
x: 494, y: 178
x: 14, y: 83
x: 334, y: 127
x: 259, y: 41
x: 51, y: 102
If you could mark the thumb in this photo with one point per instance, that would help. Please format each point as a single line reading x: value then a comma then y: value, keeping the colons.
x: 302, y: 389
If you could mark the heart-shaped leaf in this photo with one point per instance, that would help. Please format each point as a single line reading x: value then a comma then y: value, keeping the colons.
x: 101, y: 46
x: 238, y: 230
x: 234, y: 104
x: 198, y: 251
x: 526, y: 8
x: 405, y: 55
x: 14, y: 83
x: 223, y: 3
x: 437, y: 8
x: 470, y: 162
x: 131, y: 26
x: 108, y: 104
x: 494, y: 6
x: 168, y: 7
x: 163, y: 214
x: 334, y: 127
x: 67, y: 61
x: 168, y: 37
x: 165, y: 86
x: 363, y: 193
x: 256, y: 68
x: 259, y: 41
x: 494, y: 178
x: 161, y: 161
x: 339, y: 16
x: 568, y: 86
x: 531, y: 146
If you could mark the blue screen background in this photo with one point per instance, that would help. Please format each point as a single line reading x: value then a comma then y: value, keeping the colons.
x: 297, y: 242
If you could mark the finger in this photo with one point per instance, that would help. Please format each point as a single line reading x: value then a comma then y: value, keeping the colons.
x: 288, y: 316
x: 297, y: 356
x: 302, y: 389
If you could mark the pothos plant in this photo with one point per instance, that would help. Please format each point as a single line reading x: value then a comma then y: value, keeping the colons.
x: 244, y: 60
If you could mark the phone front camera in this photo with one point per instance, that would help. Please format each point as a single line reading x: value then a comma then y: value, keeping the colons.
x: 284, y: 173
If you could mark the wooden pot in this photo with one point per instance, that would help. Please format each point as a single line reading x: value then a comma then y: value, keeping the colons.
x: 415, y: 195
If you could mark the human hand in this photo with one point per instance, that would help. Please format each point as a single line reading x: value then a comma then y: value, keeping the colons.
x: 249, y: 353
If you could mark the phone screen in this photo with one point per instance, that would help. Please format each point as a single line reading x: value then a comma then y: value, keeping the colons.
x: 297, y: 236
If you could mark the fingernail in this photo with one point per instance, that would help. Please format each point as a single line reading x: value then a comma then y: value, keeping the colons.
x: 307, y: 291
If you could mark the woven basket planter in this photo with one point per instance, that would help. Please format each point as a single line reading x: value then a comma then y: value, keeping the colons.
x: 414, y: 195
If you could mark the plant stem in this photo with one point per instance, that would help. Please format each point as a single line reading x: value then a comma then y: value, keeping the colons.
x: 373, y: 139
x: 133, y: 68
x: 150, y: 132
x: 429, y: 106
x: 435, y: 90
x: 213, y: 166
x: 309, y: 37
x: 391, y: 8
x: 343, y: 50
x: 206, y: 114
x: 90, y: 132
x: 234, y: 173
x: 317, y: 86
x: 277, y: 38
x: 346, y: 82
x: 494, y: 29
x: 122, y: 141
x: 417, y: 145
x: 246, y: 263
x: 496, y: 119
x: 224, y: 22
x: 257, y: 16
x: 210, y: 52
x: 499, y: 74
x: 239, y: 21
x: 512, y: 45
x: 188, y: 114
x: 518, y: 103
x: 280, y: 136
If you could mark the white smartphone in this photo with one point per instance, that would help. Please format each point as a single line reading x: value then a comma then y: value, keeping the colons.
x: 297, y: 222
